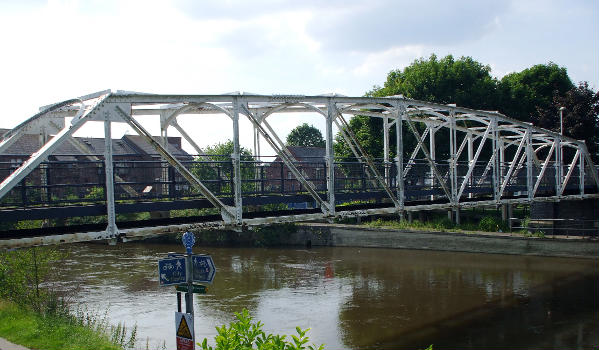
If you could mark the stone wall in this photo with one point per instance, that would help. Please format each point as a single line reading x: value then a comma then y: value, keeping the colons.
x: 337, y: 235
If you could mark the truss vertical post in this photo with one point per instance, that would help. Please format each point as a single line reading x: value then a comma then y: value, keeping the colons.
x: 433, y: 158
x: 453, y: 161
x: 258, y: 183
x: 236, y: 159
x: 470, y: 159
x: 111, y: 228
x: 495, y: 159
x: 558, y: 166
x: 164, y: 175
x: 529, y: 164
x: 386, y: 147
x: 330, y: 155
x: 399, y: 157
x: 500, y: 165
x: 43, y: 138
x: 581, y: 174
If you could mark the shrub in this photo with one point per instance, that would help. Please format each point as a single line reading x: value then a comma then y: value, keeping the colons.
x: 492, y: 224
x: 243, y: 334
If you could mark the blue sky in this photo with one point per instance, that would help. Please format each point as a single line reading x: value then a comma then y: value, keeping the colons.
x: 54, y: 50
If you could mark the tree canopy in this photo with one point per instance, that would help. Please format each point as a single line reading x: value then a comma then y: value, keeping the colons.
x: 532, y: 95
x: 305, y: 136
x: 522, y: 93
x: 464, y: 82
x: 580, y: 117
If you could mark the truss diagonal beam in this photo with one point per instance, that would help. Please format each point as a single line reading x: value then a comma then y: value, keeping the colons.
x: 325, y: 207
x: 47, y: 149
x: 367, y: 159
x: 542, y: 173
x: 570, y: 169
x: 513, y: 163
x: 415, y: 152
x: 472, y: 164
x: 355, y: 152
x: 428, y: 157
x: 227, y: 213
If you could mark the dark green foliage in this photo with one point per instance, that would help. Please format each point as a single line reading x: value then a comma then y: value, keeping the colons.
x: 532, y: 95
x: 218, y: 172
x: 305, y: 136
x: 25, y: 275
x: 522, y: 93
x: 244, y: 334
x: 466, y: 82
x: 492, y: 224
x: 580, y: 118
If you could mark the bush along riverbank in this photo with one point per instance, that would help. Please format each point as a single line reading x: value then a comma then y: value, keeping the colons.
x: 36, y: 315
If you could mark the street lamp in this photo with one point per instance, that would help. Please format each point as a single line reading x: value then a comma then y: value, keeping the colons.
x: 561, y: 120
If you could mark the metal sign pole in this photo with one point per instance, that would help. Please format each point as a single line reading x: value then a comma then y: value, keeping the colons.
x: 181, y: 270
x: 188, y: 241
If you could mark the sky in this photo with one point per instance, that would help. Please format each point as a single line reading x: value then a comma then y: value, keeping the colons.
x: 59, y: 49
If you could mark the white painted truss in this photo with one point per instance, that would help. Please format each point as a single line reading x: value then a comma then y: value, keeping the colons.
x: 518, y: 153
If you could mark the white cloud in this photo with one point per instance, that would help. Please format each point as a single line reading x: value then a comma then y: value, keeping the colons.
x: 60, y: 49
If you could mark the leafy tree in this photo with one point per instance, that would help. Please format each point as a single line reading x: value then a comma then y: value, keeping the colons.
x: 217, y: 172
x: 25, y: 276
x: 305, y: 136
x: 580, y: 118
x: 522, y: 93
x: 465, y: 82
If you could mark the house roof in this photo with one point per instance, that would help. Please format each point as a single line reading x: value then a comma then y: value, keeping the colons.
x: 308, y: 154
x: 137, y: 143
x: 127, y: 145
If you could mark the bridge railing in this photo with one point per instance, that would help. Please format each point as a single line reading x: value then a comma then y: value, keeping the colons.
x: 67, y: 181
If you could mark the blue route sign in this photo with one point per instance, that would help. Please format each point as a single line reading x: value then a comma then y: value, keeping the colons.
x: 203, y: 268
x: 171, y: 271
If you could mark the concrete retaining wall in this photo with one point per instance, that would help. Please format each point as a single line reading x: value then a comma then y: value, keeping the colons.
x: 337, y: 235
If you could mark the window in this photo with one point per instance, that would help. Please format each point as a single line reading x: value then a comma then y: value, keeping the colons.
x: 15, y: 163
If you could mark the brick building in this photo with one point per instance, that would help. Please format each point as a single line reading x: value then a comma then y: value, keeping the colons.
x: 75, y: 167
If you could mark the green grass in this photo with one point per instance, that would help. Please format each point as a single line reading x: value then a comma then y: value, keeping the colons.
x: 442, y: 224
x: 32, y: 330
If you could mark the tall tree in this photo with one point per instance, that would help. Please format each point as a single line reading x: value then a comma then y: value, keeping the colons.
x: 522, y: 93
x: 580, y: 117
x: 465, y: 82
x: 305, y: 136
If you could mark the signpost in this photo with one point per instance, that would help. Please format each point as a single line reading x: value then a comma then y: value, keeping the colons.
x: 182, y: 270
x: 203, y: 269
x: 172, y: 271
x: 184, y: 331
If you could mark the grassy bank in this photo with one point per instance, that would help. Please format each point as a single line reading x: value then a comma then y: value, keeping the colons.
x: 61, y: 332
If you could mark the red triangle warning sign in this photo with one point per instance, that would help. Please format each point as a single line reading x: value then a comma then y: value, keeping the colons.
x: 183, y: 329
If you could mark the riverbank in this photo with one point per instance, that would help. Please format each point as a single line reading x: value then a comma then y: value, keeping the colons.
x: 32, y: 330
x: 343, y: 235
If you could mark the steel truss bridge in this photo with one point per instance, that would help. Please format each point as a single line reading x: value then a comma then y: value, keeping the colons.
x: 491, y: 160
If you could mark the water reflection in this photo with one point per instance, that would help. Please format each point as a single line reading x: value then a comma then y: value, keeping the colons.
x: 355, y: 298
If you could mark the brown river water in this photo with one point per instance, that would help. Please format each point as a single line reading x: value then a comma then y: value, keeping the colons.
x: 354, y: 298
